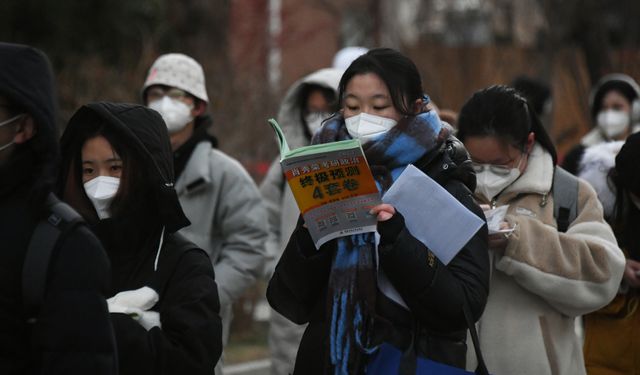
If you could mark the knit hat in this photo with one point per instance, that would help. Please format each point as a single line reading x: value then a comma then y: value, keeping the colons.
x: 627, y: 165
x: 179, y: 71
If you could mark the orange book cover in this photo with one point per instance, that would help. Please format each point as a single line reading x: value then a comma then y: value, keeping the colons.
x: 333, y: 187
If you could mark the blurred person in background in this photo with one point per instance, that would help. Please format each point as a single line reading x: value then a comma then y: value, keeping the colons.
x: 539, y: 96
x: 218, y: 196
x: 395, y: 290
x: 117, y: 171
x: 542, y: 279
x: 612, y: 343
x: 615, y: 112
x: 67, y: 330
x: 307, y: 103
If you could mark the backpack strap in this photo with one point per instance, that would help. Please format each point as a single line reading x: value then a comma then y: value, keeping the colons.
x: 60, y: 219
x: 565, y: 198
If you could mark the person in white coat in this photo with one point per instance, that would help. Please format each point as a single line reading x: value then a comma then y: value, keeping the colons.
x: 228, y: 218
x: 541, y: 278
x: 306, y: 104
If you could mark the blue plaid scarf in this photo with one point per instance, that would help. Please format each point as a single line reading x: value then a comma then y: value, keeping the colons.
x: 353, y: 282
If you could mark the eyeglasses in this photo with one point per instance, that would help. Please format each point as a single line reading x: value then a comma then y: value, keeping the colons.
x: 156, y: 93
x: 501, y: 170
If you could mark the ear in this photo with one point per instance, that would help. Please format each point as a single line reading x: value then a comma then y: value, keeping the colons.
x: 199, y: 108
x: 417, y: 105
x: 25, y: 131
x: 531, y: 140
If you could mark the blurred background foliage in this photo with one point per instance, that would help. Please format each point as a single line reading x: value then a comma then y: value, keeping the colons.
x: 101, y: 50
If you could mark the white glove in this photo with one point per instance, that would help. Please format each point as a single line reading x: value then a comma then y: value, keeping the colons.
x: 143, y: 298
x: 135, y: 303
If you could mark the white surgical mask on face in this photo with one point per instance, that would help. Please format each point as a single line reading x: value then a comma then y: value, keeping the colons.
x: 490, y: 184
x: 613, y: 123
x: 101, y: 191
x: 314, y: 120
x: 493, y: 179
x: 366, y: 127
x: 175, y: 113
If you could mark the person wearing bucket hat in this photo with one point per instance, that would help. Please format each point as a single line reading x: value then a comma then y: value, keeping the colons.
x: 615, y: 113
x: 218, y: 196
x: 117, y: 172
x: 65, y: 329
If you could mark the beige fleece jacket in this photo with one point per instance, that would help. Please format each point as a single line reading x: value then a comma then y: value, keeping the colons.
x: 544, y: 279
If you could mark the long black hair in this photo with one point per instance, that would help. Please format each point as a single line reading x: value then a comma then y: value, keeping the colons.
x: 626, y: 177
x: 501, y: 112
x: 132, y: 194
x: 397, y: 71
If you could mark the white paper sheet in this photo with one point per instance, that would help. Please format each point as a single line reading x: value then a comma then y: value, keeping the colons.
x: 432, y: 215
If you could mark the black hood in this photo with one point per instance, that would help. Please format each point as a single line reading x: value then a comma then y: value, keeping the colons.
x: 26, y: 80
x: 143, y: 129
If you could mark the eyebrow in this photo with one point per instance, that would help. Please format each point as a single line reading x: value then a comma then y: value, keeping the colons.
x: 376, y: 96
x: 111, y: 160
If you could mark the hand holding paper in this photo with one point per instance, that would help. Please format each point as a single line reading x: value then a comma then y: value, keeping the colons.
x: 432, y: 215
x: 495, y: 220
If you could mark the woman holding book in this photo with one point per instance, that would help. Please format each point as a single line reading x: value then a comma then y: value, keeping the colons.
x: 363, y: 291
x: 547, y: 267
x: 118, y: 174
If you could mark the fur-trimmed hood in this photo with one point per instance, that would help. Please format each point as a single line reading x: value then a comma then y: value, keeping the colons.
x: 595, y: 166
x: 290, y: 113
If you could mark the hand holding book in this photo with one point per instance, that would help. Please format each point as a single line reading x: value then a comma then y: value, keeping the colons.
x: 333, y: 187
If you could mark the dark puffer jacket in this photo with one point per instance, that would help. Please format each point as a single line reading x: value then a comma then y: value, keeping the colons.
x: 72, y: 333
x: 189, y: 340
x: 434, y: 293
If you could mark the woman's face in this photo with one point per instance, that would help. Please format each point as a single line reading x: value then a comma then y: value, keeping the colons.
x: 494, y: 151
x: 369, y: 94
x: 99, y: 159
x: 614, y: 100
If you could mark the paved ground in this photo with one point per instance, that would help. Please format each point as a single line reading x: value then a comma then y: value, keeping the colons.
x: 260, y: 367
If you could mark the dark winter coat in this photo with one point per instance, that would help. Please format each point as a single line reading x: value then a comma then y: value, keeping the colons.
x: 435, y: 293
x: 72, y: 333
x: 189, y: 340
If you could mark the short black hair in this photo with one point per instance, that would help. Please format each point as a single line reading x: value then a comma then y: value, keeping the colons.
x: 397, y: 71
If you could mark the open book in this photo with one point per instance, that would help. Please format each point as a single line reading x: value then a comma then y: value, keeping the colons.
x: 333, y: 186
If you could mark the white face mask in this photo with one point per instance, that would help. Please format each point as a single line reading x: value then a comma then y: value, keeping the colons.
x: 314, y: 120
x: 490, y: 184
x: 175, y: 113
x: 101, y: 191
x: 366, y: 127
x: 613, y: 123
x: 491, y: 180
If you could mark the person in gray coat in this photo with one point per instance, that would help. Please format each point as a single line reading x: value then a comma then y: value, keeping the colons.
x: 306, y: 104
x: 218, y: 196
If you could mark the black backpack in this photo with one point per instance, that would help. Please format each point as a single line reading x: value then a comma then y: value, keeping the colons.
x: 60, y: 220
x: 565, y: 198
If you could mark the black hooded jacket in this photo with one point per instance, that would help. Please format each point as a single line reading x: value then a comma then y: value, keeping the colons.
x: 189, y: 340
x: 435, y: 293
x: 72, y: 333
